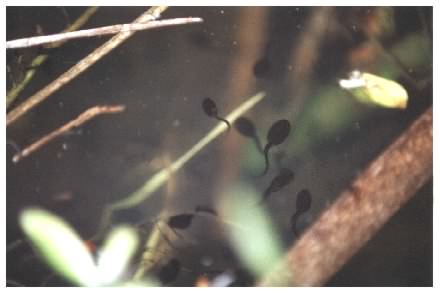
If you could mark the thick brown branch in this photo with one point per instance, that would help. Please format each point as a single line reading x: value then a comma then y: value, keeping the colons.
x: 81, y: 119
x: 360, y: 211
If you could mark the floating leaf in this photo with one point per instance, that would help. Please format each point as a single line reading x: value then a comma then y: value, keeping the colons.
x: 372, y: 89
x: 115, y: 254
x: 60, y: 246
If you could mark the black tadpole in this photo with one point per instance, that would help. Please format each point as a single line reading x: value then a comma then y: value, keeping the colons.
x: 282, y: 179
x: 262, y: 67
x: 181, y: 221
x: 169, y: 272
x: 210, y: 109
x: 246, y: 128
x: 303, y: 204
x: 277, y: 133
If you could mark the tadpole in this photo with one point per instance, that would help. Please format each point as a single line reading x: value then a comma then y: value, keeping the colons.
x: 181, y: 221
x: 262, y: 67
x: 282, y: 179
x: 168, y: 273
x: 210, y: 109
x: 303, y: 204
x: 277, y: 133
x: 247, y: 128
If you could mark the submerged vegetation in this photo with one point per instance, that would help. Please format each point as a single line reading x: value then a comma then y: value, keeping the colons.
x: 204, y: 205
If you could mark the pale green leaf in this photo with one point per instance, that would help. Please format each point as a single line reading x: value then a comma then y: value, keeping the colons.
x: 115, y: 254
x: 250, y: 229
x: 59, y: 245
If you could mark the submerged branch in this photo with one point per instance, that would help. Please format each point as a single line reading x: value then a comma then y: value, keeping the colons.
x: 361, y: 210
x: 158, y: 179
x: 81, y: 66
x: 81, y: 119
x: 105, y: 30
x: 40, y: 59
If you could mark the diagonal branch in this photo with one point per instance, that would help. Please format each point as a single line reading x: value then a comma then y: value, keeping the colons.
x: 77, y: 69
x: 81, y: 119
x: 361, y: 210
x: 40, y: 59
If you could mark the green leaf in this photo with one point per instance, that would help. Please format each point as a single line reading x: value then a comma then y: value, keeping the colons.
x: 115, y: 254
x: 250, y: 229
x: 59, y: 245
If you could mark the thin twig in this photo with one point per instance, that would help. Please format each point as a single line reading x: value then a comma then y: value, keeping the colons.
x: 40, y: 59
x: 161, y: 177
x: 361, y: 210
x: 105, y: 30
x: 81, y: 66
x: 81, y: 119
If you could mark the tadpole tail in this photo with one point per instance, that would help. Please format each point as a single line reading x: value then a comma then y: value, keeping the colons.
x: 258, y: 144
x: 293, y: 221
x: 226, y: 121
x: 265, y: 196
x: 266, y: 159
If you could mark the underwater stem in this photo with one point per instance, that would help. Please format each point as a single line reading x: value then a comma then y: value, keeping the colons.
x: 155, y: 182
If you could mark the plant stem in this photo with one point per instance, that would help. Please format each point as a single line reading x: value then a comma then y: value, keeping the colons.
x: 157, y: 180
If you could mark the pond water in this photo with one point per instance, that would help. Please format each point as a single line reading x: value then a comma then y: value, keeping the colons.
x: 296, y: 55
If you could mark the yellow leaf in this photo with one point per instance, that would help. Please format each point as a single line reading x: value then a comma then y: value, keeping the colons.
x: 372, y: 89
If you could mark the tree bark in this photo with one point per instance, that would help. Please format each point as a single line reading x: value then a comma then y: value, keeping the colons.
x: 361, y: 210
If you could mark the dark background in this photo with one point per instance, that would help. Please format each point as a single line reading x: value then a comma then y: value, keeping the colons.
x: 162, y: 76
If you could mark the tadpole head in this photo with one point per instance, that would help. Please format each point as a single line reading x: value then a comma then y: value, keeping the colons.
x: 209, y: 107
x: 168, y: 273
x: 303, y: 201
x: 278, y: 132
x: 282, y: 179
x: 262, y: 68
x: 286, y: 176
x: 181, y: 221
x: 245, y: 127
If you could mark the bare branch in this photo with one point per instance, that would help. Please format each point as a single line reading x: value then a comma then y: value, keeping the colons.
x: 105, y: 30
x: 40, y: 59
x: 361, y: 210
x: 81, y: 66
x: 81, y: 119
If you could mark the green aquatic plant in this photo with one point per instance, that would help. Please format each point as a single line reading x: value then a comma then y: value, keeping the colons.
x: 250, y: 230
x: 60, y: 246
